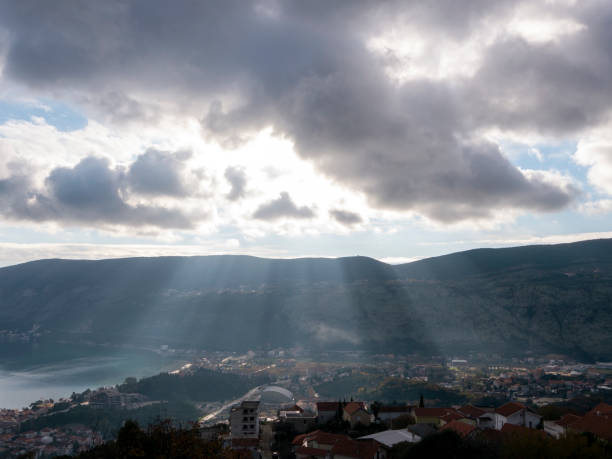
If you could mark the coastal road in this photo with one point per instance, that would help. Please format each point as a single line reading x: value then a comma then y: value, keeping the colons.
x: 209, y: 417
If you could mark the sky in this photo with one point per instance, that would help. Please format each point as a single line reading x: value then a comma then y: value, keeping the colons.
x: 396, y: 130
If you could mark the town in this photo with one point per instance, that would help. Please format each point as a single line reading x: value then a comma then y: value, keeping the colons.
x: 331, y: 403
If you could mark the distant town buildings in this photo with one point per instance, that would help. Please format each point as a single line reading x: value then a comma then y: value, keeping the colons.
x: 49, y: 442
x: 113, y: 399
x: 361, y: 430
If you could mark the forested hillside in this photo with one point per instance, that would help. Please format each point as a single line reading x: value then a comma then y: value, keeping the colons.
x: 542, y: 298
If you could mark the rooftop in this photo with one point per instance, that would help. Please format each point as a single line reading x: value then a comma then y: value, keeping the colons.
x: 390, y: 437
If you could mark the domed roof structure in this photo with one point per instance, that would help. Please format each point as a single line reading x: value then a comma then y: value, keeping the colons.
x: 276, y: 395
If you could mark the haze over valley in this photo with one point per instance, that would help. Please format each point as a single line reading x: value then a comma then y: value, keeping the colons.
x: 514, y: 302
x: 306, y: 229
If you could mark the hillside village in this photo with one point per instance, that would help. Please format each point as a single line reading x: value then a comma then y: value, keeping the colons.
x: 296, y: 411
x: 334, y: 429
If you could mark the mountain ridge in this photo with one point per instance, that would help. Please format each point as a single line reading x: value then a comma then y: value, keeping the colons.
x: 544, y: 298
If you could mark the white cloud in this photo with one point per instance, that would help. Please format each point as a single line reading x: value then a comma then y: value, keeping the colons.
x: 373, y: 116
x: 599, y: 207
x: 595, y: 152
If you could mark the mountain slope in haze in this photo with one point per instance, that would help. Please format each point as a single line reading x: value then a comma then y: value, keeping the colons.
x: 545, y: 299
x: 484, y: 262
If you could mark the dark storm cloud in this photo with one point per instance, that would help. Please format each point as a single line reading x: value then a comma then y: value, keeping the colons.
x: 89, y: 193
x: 237, y: 179
x: 345, y: 217
x: 283, y: 207
x: 159, y: 173
x: 303, y: 68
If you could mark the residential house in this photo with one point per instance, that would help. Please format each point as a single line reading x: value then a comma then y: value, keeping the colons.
x: 420, y: 431
x: 327, y: 411
x: 300, y: 420
x: 355, y: 413
x: 472, y: 413
x: 598, y: 421
x: 462, y: 428
x: 510, y: 413
x: 326, y: 445
x: 602, y: 410
x: 558, y: 428
x: 358, y: 449
x: 389, y: 438
x: 431, y: 415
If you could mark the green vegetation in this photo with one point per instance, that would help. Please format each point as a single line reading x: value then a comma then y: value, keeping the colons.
x: 200, y: 386
x: 174, y: 395
x: 109, y: 421
x: 163, y: 439
x: 526, y: 445
x: 389, y: 390
x: 160, y: 440
x: 578, y: 405
x: 345, y: 387
x: 405, y: 391
x: 544, y: 299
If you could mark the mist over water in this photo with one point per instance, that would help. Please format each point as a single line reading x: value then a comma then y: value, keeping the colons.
x: 24, y: 378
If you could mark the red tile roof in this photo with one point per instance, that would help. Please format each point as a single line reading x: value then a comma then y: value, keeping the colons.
x: 598, y: 425
x: 358, y: 449
x: 471, y: 411
x: 568, y: 419
x: 462, y: 428
x: 602, y: 409
x: 327, y: 406
x: 353, y: 407
x: 320, y: 437
x: 509, y: 408
x: 326, y: 438
x: 297, y: 440
x: 452, y: 416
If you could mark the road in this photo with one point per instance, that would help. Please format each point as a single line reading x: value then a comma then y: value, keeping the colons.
x: 209, y: 417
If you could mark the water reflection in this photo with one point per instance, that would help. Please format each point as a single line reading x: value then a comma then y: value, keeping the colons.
x: 23, y: 381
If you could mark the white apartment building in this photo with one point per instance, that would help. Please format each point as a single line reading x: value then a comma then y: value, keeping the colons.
x: 244, y: 420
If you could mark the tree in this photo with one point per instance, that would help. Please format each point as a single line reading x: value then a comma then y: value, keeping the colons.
x: 159, y: 440
x: 339, y: 411
x: 375, y: 407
